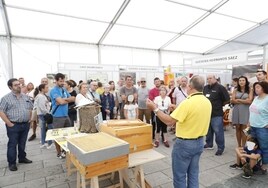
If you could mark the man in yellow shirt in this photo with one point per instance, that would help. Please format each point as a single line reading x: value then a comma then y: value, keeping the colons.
x: 192, y: 119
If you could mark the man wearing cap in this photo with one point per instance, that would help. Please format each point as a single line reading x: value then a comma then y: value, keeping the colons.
x: 143, y: 94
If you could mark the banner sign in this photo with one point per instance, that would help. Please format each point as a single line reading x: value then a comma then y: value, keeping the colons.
x: 220, y: 59
x: 91, y: 67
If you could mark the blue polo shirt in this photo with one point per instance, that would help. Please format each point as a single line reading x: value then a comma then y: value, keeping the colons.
x: 55, y: 93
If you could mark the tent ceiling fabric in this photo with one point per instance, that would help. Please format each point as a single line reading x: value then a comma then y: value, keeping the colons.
x: 207, y: 26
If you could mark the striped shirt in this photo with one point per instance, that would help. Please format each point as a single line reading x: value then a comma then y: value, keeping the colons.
x: 16, y: 109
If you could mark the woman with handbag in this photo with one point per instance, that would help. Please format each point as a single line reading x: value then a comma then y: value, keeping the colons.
x: 42, y: 104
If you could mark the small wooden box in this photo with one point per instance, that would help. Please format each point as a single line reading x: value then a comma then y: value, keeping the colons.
x: 96, y: 148
x: 137, y: 133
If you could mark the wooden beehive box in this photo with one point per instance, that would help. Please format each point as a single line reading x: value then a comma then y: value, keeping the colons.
x: 99, y: 153
x: 137, y: 133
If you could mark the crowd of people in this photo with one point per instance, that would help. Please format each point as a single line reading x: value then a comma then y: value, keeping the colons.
x: 193, y: 109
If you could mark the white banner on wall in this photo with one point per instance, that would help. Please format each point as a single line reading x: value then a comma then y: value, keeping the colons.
x: 220, y: 59
x: 91, y: 67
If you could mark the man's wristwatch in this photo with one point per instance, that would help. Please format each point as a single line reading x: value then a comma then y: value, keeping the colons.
x: 156, y: 110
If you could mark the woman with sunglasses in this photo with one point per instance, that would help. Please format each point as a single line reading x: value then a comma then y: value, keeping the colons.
x: 162, y: 102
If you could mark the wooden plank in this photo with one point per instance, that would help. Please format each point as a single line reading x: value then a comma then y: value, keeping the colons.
x: 146, y: 129
x: 78, y: 165
x: 107, y: 166
x: 138, y: 137
x: 97, y: 141
x: 100, y: 168
x: 124, y: 122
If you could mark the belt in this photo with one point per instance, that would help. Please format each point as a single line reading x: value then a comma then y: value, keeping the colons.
x: 190, y: 138
x: 19, y: 122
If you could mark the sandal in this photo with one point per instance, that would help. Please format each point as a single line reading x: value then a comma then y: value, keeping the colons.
x: 166, y: 143
x: 156, y: 144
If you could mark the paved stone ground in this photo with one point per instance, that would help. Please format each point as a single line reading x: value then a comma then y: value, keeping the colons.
x: 48, y: 171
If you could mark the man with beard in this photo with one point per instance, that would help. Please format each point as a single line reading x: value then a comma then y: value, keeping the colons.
x: 59, y: 101
x: 15, y: 111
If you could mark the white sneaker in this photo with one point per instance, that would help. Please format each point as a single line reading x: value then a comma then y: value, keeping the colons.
x: 63, y: 154
x: 49, y: 146
x: 43, y: 146
x: 59, y: 156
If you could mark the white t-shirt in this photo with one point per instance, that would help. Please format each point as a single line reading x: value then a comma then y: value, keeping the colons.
x: 80, y: 97
x: 162, y: 104
x: 179, y: 95
x: 131, y: 110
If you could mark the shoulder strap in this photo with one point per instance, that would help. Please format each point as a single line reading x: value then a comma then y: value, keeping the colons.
x: 241, y: 95
x: 55, y: 109
x: 182, y: 91
x: 48, y: 98
x: 92, y: 94
x: 62, y: 92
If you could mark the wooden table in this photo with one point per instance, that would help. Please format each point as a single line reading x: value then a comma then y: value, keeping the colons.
x: 60, y: 136
x: 136, y: 161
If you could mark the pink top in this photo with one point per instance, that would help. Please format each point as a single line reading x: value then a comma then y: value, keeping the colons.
x: 153, y: 93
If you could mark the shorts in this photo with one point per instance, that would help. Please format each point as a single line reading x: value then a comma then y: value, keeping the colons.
x: 61, y: 122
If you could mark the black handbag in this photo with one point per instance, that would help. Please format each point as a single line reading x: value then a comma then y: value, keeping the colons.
x: 49, y: 117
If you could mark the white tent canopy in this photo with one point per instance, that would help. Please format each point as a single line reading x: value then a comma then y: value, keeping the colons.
x: 38, y: 35
x: 207, y: 26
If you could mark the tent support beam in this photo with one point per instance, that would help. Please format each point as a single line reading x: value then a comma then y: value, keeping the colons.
x: 3, y: 11
x: 116, y: 17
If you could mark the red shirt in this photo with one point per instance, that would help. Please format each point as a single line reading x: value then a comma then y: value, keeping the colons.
x: 153, y: 93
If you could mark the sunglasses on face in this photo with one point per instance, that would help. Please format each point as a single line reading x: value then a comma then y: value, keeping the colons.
x: 143, y: 81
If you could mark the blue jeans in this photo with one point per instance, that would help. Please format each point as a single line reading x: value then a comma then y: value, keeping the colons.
x: 17, y: 136
x: 261, y: 134
x: 185, y: 162
x: 43, y: 129
x: 216, y: 126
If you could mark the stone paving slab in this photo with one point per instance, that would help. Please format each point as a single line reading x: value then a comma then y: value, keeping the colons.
x: 2, y: 171
x: 49, y: 171
x: 239, y: 182
x: 37, y: 183
x: 167, y: 185
x: 207, y: 164
x: 11, y: 179
x: 53, y: 162
x: 36, y: 165
x: 157, y: 179
x: 58, y: 179
x: 155, y: 166
x: 65, y: 185
x: 168, y: 172
x: 210, y: 177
